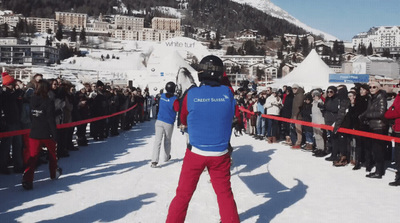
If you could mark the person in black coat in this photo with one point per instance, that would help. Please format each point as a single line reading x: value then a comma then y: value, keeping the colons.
x: 98, y: 108
x: 375, y: 117
x: 360, y: 105
x: 82, y: 98
x: 286, y: 112
x: 305, y: 112
x: 341, y: 141
x: 43, y: 132
x: 330, y: 111
x: 114, y: 108
x: 11, y: 107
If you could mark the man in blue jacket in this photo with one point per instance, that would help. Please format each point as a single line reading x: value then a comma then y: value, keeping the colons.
x: 165, y: 123
x: 208, y: 112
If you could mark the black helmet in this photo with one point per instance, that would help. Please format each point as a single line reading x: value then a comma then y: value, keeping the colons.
x: 170, y: 87
x: 211, y: 68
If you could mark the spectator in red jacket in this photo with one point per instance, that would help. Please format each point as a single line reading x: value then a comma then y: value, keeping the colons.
x: 394, y: 113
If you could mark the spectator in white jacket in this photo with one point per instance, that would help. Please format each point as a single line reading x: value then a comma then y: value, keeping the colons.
x: 318, y: 118
x: 273, y: 104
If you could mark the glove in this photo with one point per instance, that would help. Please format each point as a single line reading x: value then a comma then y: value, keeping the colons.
x: 335, y: 129
x: 92, y: 95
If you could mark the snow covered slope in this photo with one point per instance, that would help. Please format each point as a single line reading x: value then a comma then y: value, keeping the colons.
x: 273, y: 10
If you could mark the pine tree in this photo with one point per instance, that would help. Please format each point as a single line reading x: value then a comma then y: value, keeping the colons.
x: 73, y: 35
x: 82, y: 36
x: 59, y: 33
x: 370, y: 51
x: 305, y: 46
x: 386, y: 53
x: 297, y: 44
x: 335, y: 47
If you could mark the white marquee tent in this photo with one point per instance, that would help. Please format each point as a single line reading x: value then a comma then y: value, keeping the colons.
x: 311, y: 73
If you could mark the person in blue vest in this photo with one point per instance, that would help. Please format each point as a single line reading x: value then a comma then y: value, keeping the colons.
x: 207, y: 111
x: 165, y: 123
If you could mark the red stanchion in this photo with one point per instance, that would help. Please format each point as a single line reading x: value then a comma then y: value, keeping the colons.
x: 328, y: 127
x: 65, y: 125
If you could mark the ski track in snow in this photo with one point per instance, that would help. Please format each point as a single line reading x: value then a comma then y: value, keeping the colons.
x: 112, y: 181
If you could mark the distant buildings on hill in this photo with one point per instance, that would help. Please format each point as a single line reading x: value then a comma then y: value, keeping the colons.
x: 119, y: 26
x: 381, y: 38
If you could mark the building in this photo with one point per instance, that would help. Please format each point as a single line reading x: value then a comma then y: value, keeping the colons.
x: 42, y: 25
x: 373, y: 65
x: 129, y: 22
x: 247, y: 34
x: 98, y: 28
x: 169, y: 24
x: 71, y: 20
x: 291, y: 38
x: 11, y: 20
x: 381, y: 38
x: 247, y: 64
x: 146, y: 34
x: 11, y: 52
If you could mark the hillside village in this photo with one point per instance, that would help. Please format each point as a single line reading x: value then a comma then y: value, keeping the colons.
x: 247, y: 56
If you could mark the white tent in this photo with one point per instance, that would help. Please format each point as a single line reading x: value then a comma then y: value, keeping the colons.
x: 311, y: 73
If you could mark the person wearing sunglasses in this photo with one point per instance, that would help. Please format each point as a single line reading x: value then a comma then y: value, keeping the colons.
x: 298, y: 99
x: 377, y: 123
x: 330, y: 110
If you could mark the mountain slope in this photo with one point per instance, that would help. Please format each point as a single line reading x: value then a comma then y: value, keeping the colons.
x: 275, y: 11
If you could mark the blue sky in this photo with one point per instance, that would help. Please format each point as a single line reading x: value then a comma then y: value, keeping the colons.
x: 343, y: 18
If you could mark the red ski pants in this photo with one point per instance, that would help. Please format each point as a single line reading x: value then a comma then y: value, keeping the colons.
x: 34, y: 149
x: 219, y: 170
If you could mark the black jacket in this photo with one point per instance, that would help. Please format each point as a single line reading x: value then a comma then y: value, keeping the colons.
x: 43, y: 118
x: 11, y: 108
x: 330, y: 109
x: 286, y: 110
x: 342, y: 118
x: 375, y: 113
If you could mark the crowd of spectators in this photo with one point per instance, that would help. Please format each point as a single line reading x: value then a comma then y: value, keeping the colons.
x: 72, y: 103
x: 364, y: 107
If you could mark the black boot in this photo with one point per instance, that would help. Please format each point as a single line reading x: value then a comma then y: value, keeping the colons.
x: 357, y: 166
x: 396, y: 181
x: 375, y: 175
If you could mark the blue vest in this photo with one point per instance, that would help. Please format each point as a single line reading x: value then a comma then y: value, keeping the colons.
x: 211, y: 110
x: 166, y: 111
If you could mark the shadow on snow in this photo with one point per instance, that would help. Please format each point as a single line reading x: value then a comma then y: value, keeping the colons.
x: 89, y: 163
x: 264, y: 184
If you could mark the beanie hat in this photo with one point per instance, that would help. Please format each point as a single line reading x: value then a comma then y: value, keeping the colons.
x: 7, y: 79
x: 79, y: 86
x: 295, y: 86
x: 99, y: 83
x: 316, y: 93
x: 308, y: 97
x: 365, y: 86
x: 333, y: 88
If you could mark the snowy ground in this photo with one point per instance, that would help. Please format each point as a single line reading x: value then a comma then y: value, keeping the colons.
x: 112, y: 181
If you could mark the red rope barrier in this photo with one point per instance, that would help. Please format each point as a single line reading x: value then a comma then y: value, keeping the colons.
x: 328, y: 127
x: 65, y: 125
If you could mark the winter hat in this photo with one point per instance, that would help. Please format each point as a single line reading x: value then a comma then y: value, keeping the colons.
x: 316, y: 93
x: 79, y: 86
x: 333, y: 88
x: 365, y: 86
x: 274, y: 90
x: 7, y: 79
x: 99, y: 83
x: 308, y: 97
x: 295, y: 86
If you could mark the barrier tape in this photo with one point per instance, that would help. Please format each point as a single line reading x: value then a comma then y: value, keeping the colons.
x: 65, y: 125
x: 328, y: 127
